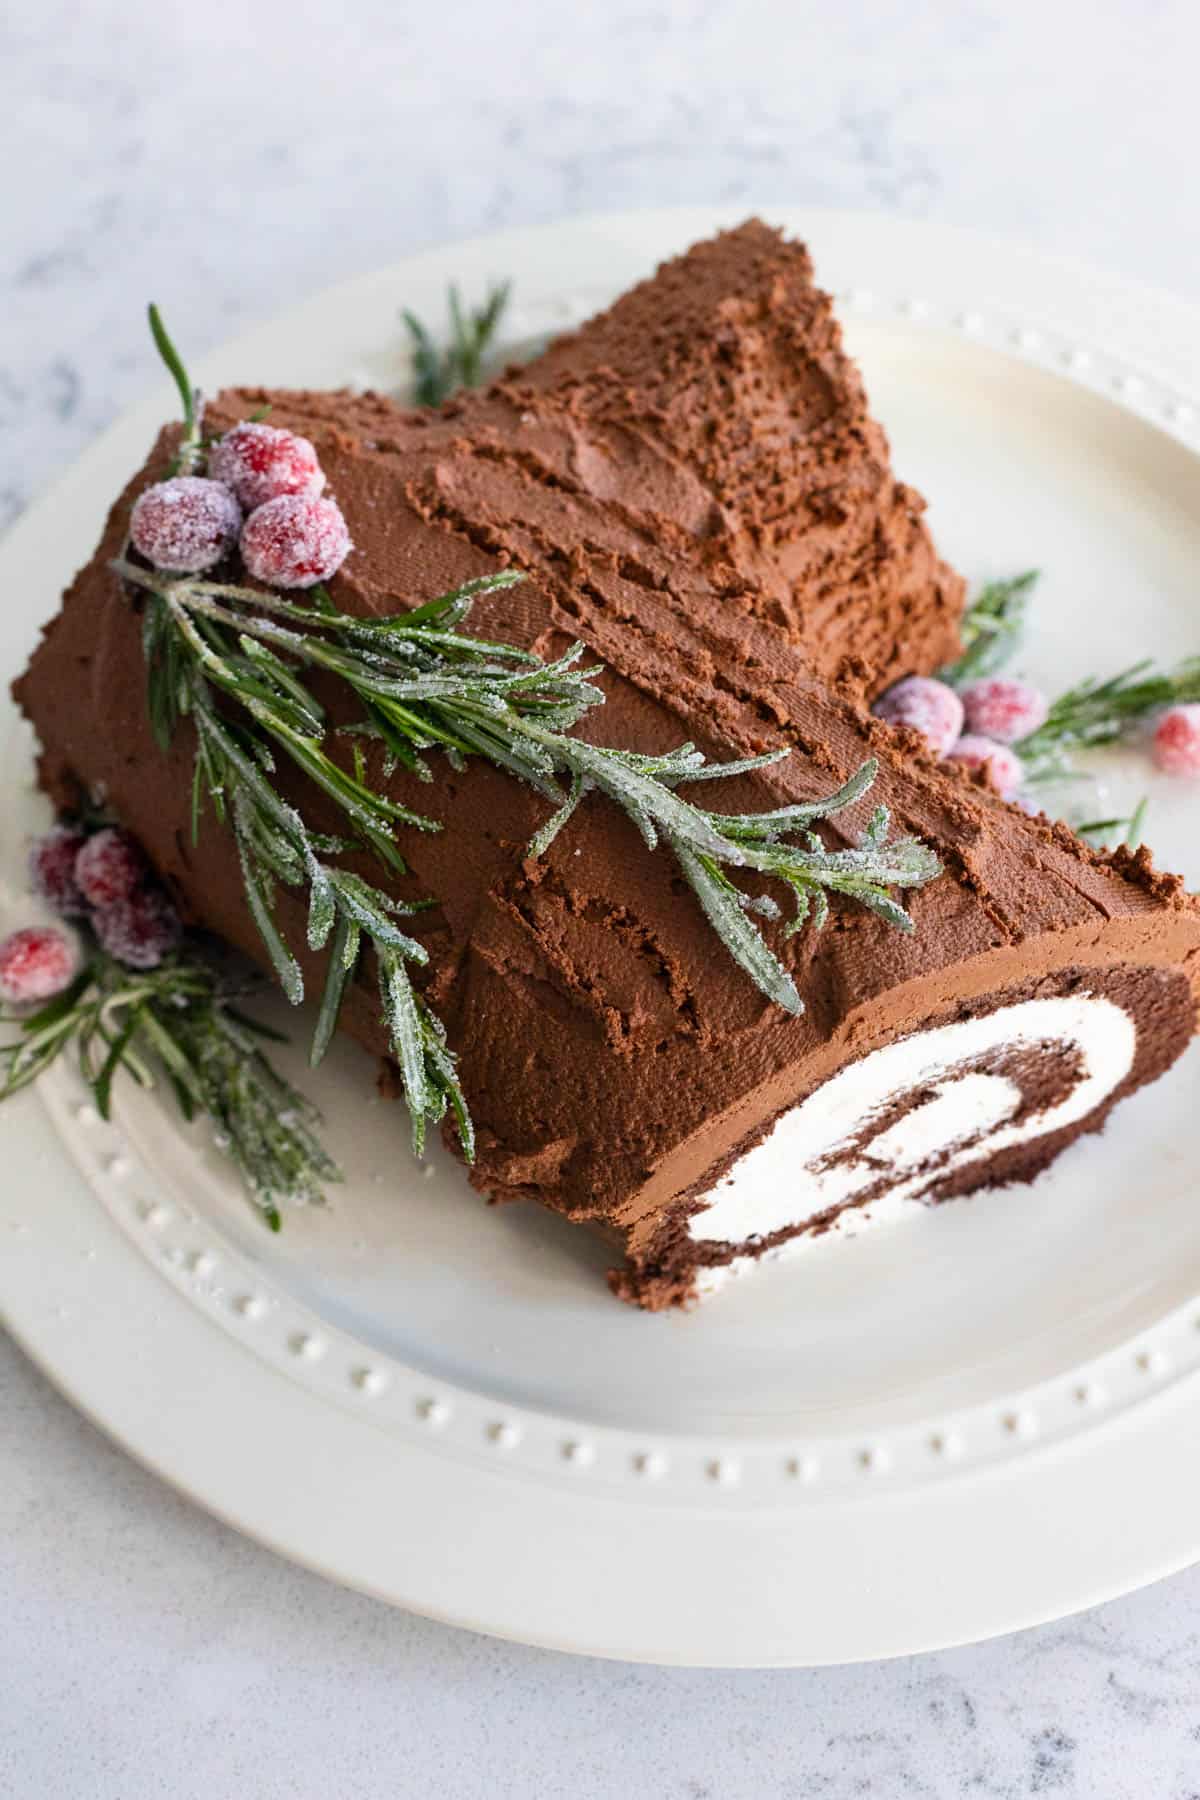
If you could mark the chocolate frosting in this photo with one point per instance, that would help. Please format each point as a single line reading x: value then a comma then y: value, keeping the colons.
x: 611, y: 1052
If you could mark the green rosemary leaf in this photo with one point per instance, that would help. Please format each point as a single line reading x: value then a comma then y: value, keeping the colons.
x: 335, y: 987
x: 438, y: 373
x: 992, y: 628
x: 322, y: 905
x: 1137, y: 822
x: 441, y: 1063
x: 717, y: 897
x: 102, y: 1086
x: 190, y: 453
x: 368, y: 810
x: 427, y: 364
x: 255, y: 1027
x: 758, y: 827
x: 304, y: 716
x: 455, y: 605
x: 404, y: 1027
x: 369, y: 909
x: 888, y: 909
x: 198, y: 786
x: 541, y: 841
x: 169, y: 354
x: 258, y: 898
x: 183, y: 1096
x: 698, y: 770
x: 1129, y: 829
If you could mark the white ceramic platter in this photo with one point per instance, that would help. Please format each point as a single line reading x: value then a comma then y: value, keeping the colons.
x: 964, y: 1424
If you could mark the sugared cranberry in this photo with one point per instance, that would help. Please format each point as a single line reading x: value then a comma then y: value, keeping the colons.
x: 1003, y: 766
x: 295, y: 541
x: 1002, y: 709
x: 260, y: 462
x: 140, y: 930
x: 185, y: 525
x: 52, y: 870
x: 1177, y: 740
x: 928, y: 706
x: 109, y: 867
x: 36, y: 963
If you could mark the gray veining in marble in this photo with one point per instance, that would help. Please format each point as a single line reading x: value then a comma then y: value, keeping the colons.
x: 209, y: 153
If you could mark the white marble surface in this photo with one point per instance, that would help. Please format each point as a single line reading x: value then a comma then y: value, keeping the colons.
x: 220, y: 155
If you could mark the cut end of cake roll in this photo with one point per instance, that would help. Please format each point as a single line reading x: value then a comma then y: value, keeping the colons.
x: 984, y: 1094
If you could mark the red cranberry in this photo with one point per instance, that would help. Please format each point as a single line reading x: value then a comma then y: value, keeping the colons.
x: 139, y: 930
x: 109, y: 867
x: 1002, y: 709
x: 52, y: 870
x: 1177, y: 740
x: 185, y: 525
x: 295, y: 541
x: 37, y: 963
x: 260, y: 462
x: 928, y: 706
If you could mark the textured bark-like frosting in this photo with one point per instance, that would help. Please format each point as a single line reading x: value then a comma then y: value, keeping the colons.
x: 718, y: 396
x: 611, y: 1053
x: 715, y: 406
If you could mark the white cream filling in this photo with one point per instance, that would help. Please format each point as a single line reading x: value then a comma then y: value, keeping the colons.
x: 783, y: 1182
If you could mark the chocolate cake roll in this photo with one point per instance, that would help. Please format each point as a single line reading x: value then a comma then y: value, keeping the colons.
x: 620, y: 1068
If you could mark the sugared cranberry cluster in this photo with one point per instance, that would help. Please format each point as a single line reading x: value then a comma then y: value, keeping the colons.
x: 974, y: 725
x: 264, y: 492
x: 977, y: 724
x: 101, y: 877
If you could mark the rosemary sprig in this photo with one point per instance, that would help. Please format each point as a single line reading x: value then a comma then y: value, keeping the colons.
x: 460, y: 364
x: 180, y: 1022
x: 1104, y: 712
x: 201, y: 641
x: 992, y: 628
x: 423, y: 684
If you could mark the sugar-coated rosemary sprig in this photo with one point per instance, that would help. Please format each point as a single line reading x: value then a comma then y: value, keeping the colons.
x: 472, y: 334
x: 201, y: 639
x: 423, y: 684
x: 180, y: 1022
x: 992, y: 628
x: 1104, y: 712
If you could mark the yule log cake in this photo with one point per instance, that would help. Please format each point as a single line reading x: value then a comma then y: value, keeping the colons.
x: 620, y: 1067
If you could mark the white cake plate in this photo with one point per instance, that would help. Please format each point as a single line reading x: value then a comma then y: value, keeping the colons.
x: 980, y: 1419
